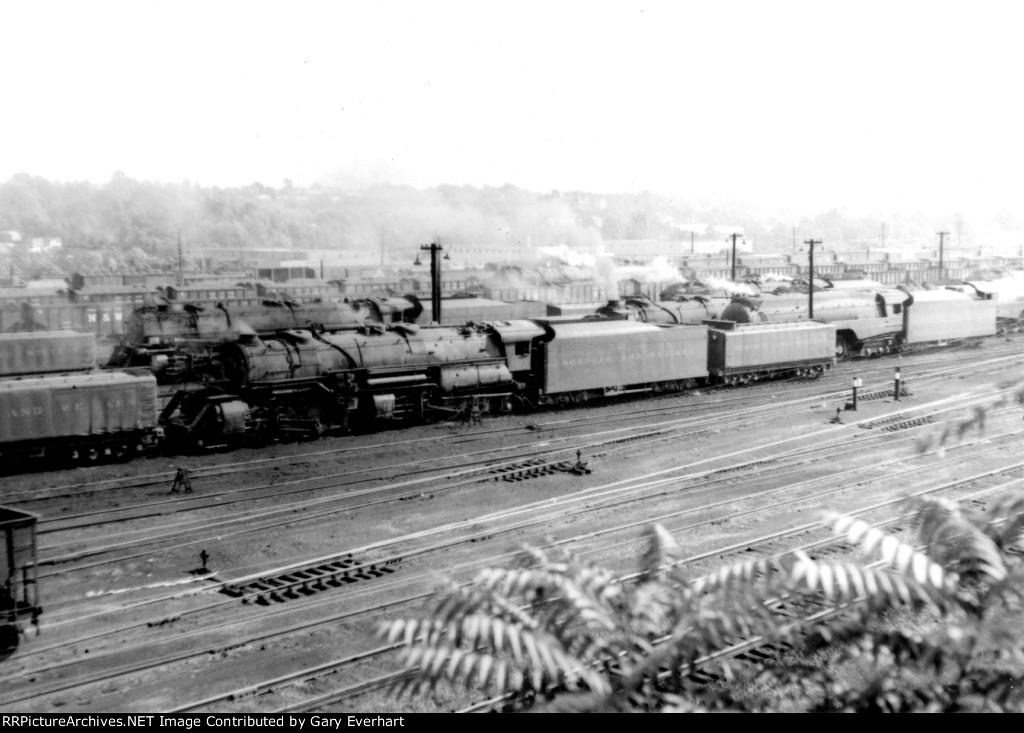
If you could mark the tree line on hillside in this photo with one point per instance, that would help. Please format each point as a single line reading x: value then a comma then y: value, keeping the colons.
x: 128, y: 225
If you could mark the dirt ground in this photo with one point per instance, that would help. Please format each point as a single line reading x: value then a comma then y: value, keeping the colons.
x: 252, y: 553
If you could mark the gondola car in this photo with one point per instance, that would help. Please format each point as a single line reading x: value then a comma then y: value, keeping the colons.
x: 56, y: 404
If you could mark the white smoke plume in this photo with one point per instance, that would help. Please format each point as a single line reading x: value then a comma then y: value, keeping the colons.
x: 730, y: 288
x: 606, y: 278
x: 568, y: 256
x: 659, y: 270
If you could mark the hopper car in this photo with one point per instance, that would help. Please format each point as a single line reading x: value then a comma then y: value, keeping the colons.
x: 19, y: 594
x: 55, y: 404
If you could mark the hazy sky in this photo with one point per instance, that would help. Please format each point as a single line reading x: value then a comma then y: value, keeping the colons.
x: 883, y: 105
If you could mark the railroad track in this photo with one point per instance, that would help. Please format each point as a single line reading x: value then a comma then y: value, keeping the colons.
x: 507, y: 521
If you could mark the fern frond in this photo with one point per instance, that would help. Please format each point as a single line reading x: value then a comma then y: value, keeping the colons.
x: 878, y: 587
x: 740, y: 577
x: 955, y: 542
x: 589, y: 603
x: 1004, y: 521
x: 660, y: 550
x: 893, y: 551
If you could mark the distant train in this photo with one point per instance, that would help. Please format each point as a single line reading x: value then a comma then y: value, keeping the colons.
x: 177, y: 340
x: 19, y: 591
x: 692, y: 309
x: 875, y: 322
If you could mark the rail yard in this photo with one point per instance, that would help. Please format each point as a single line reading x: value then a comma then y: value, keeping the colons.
x: 261, y: 589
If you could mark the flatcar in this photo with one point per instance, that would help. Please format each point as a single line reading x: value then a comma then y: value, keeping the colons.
x: 19, y: 589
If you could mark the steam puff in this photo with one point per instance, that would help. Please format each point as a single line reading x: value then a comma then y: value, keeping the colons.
x: 731, y: 288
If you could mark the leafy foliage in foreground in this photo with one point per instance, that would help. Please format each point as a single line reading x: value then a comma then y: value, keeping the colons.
x: 562, y: 635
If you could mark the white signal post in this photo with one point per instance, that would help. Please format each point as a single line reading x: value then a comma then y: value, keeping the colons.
x: 856, y: 384
x: 896, y: 389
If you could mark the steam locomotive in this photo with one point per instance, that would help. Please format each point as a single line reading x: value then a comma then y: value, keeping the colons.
x: 308, y: 381
x: 177, y: 340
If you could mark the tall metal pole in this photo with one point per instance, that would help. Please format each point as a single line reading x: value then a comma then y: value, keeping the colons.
x: 734, y: 256
x: 181, y: 277
x: 942, y: 268
x: 435, y: 279
x: 810, y: 286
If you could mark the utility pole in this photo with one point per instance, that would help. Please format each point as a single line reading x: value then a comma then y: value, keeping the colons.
x: 794, y: 239
x: 691, y: 244
x: 942, y: 268
x: 181, y: 277
x: 435, y: 278
x: 734, y: 235
x: 810, y: 266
